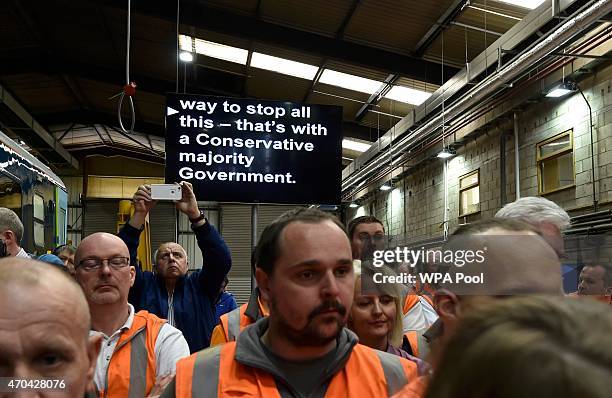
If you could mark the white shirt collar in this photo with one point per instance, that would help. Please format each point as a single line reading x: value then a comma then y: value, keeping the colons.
x: 22, y: 253
x: 126, y: 326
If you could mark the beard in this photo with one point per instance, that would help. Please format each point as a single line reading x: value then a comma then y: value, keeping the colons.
x: 311, y: 334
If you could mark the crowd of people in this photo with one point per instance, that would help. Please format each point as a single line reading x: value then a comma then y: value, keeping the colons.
x: 315, y: 325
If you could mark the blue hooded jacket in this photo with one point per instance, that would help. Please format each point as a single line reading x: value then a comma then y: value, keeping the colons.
x: 194, y: 294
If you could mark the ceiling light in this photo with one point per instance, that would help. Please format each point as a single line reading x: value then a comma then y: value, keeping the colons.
x: 531, y: 4
x: 356, y: 146
x: 560, y: 90
x: 386, y: 187
x: 445, y: 153
x: 351, y: 82
x: 284, y: 66
x: 407, y: 95
x: 353, y: 205
x: 186, y: 56
x: 221, y: 51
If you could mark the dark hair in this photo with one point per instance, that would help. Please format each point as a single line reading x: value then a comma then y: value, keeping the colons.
x: 268, y: 250
x: 507, y: 224
x: 362, y: 220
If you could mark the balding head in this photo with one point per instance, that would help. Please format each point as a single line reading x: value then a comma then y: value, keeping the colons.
x: 110, y: 282
x: 512, y: 258
x: 514, y: 262
x: 43, y: 313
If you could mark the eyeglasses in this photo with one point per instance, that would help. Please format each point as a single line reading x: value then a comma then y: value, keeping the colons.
x: 91, y: 264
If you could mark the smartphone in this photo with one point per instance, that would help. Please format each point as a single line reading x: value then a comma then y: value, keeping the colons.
x: 166, y: 192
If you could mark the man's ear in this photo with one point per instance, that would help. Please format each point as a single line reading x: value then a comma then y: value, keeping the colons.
x: 447, y: 304
x: 132, y: 275
x: 263, y: 283
x: 8, y: 236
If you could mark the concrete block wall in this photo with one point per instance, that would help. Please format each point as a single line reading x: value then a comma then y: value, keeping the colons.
x: 416, y: 206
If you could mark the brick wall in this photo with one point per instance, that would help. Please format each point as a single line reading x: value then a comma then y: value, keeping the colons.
x: 416, y: 206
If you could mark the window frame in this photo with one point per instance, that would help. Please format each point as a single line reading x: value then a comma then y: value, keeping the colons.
x: 477, y: 184
x: 36, y: 220
x: 556, y: 154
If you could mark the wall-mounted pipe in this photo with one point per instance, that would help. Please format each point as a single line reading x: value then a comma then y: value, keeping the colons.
x: 517, y: 165
x: 593, y: 182
x: 502, y: 168
x: 558, y: 37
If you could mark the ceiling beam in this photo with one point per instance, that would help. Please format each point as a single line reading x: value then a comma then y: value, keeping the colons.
x: 442, y: 23
x: 376, y: 97
x: 36, y: 62
x: 209, y: 18
x: 20, y: 114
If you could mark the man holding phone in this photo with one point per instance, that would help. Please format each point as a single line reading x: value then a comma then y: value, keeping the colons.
x: 186, y: 301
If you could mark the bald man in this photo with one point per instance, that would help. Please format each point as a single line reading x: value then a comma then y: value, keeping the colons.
x: 44, y: 327
x: 139, y: 350
x: 515, y: 260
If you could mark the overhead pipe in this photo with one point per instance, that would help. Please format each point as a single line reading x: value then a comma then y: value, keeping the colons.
x: 471, y: 115
x: 558, y: 37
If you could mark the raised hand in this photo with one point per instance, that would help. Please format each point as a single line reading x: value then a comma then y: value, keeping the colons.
x: 188, y: 203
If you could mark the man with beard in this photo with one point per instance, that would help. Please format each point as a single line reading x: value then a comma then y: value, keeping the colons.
x: 305, y: 272
x: 139, y: 350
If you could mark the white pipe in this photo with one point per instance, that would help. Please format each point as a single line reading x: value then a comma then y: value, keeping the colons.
x: 445, y: 199
x: 517, y: 166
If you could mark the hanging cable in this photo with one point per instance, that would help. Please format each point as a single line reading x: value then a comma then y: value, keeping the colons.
x: 130, y: 87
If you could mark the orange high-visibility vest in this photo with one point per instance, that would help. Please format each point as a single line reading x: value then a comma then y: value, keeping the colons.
x: 131, y: 371
x: 233, y: 323
x: 415, y: 389
x: 418, y: 345
x: 214, y: 373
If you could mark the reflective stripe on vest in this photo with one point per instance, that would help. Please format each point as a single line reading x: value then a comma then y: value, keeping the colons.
x: 393, y: 370
x: 215, y: 372
x: 233, y: 323
x: 136, y: 346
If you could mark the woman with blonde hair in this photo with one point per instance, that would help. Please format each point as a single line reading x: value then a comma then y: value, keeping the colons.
x: 376, y: 314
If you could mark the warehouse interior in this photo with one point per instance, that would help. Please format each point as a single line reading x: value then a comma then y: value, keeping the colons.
x: 449, y: 108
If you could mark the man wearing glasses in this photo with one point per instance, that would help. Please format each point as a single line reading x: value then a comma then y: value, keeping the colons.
x: 139, y: 350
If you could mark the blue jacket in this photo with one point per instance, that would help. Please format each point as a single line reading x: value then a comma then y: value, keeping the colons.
x: 194, y: 294
x: 225, y: 304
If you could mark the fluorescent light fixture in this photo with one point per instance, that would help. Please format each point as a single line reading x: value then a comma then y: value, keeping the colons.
x: 353, y: 205
x: 221, y: 51
x: 531, y: 4
x: 355, y: 145
x: 284, y: 66
x: 407, y: 95
x: 185, y: 43
x: 445, y: 154
x: 386, y: 187
x: 186, y: 56
x: 560, y: 90
x: 350, y: 82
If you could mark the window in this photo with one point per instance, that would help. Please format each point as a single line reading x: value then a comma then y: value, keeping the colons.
x: 555, y: 157
x: 39, y: 220
x: 469, y: 193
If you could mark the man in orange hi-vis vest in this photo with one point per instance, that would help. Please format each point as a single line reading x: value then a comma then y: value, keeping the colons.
x: 305, y: 273
x: 139, y: 350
